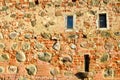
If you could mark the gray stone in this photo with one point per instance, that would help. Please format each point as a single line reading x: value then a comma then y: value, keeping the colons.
x: 56, y: 46
x: 4, y: 57
x: 1, y: 36
x: 73, y: 46
x: 26, y: 46
x: 12, y: 69
x: 108, y: 72
x: 2, y: 45
x: 1, y: 69
x: 39, y: 46
x: 20, y: 56
x: 27, y: 36
x: 108, y: 46
x: 104, y: 57
x: 46, y: 56
x: 31, y: 69
x: 13, y: 35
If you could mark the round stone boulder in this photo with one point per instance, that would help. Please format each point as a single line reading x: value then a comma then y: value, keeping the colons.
x: 13, y: 35
x: 12, y: 69
x: 31, y: 69
x: 45, y: 56
x: 20, y: 56
x: 2, y: 69
x: 4, y: 57
x: 2, y: 45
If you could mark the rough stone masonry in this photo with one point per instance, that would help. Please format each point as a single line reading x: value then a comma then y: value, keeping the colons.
x: 59, y: 39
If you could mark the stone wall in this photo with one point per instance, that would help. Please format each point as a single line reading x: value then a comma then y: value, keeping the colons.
x: 36, y: 45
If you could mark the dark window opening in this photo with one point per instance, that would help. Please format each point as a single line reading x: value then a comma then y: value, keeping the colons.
x: 70, y: 22
x: 102, y: 21
x: 36, y: 2
x: 73, y: 0
x: 87, y: 62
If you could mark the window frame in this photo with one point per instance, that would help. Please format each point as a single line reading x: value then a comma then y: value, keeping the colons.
x: 98, y: 21
x: 74, y: 22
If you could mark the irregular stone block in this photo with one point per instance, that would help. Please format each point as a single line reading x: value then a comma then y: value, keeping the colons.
x: 4, y: 57
x: 2, y: 69
x: 66, y: 58
x: 54, y: 72
x: 84, y: 44
x: 104, y: 57
x: 39, y: 46
x: 23, y: 78
x: 27, y: 36
x: 1, y: 36
x: 2, y: 45
x: 117, y: 33
x: 13, y: 15
x: 46, y: 35
x: 20, y: 56
x: 56, y: 46
x: 95, y: 2
x: 73, y: 46
x: 31, y: 69
x: 13, y: 35
x: 106, y: 1
x: 33, y: 23
x: 14, y: 46
x: 12, y: 69
x: 108, y: 72
x: 105, y: 34
x: 26, y: 46
x: 108, y: 46
x: 46, y: 56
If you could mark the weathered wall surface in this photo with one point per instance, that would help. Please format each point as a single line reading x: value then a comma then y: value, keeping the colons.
x: 35, y: 44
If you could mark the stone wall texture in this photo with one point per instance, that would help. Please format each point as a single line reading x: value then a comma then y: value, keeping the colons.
x: 36, y: 45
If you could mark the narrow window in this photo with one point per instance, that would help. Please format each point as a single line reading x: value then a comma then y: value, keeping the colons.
x: 69, y: 22
x: 86, y: 62
x: 102, y: 21
x: 36, y: 2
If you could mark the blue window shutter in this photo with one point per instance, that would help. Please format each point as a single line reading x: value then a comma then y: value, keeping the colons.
x: 69, y: 22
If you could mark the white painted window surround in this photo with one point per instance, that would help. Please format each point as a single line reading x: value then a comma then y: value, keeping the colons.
x: 97, y: 21
x: 74, y: 22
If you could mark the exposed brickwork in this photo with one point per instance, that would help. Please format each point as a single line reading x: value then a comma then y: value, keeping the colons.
x: 35, y: 43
